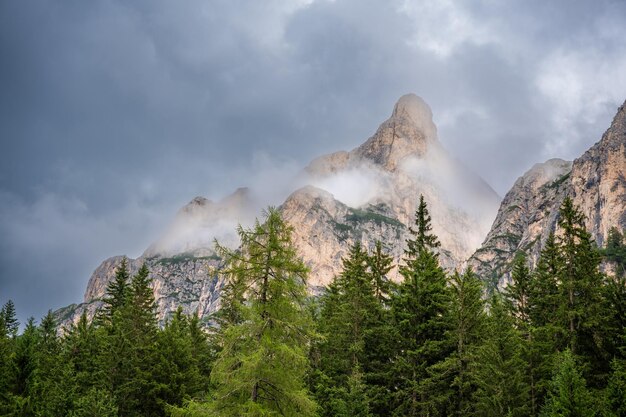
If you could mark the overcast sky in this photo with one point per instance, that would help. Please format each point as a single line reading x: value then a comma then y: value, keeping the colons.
x: 115, y: 113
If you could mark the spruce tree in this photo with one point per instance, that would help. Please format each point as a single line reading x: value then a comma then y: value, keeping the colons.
x: 615, y: 393
x: 116, y: 293
x: 380, y: 263
x: 466, y: 333
x: 8, y: 316
x: 261, y: 368
x: 421, y: 315
x: 498, y: 369
x: 568, y: 395
x: 580, y: 311
x: 354, y: 324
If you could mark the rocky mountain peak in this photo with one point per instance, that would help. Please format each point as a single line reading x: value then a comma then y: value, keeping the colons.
x: 414, y: 110
x: 409, y: 131
x: 596, y: 182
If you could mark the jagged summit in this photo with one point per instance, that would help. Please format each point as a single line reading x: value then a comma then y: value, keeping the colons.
x: 596, y: 182
x: 365, y: 195
x: 417, y: 111
x: 409, y: 131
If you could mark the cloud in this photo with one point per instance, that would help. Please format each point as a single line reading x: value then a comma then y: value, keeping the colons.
x: 119, y: 113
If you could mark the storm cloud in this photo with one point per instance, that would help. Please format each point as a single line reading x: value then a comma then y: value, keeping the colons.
x: 113, y: 114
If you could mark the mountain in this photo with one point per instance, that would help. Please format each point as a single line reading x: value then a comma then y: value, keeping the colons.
x: 596, y: 182
x: 364, y: 195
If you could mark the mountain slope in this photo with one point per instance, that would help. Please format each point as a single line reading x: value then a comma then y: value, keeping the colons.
x: 596, y: 182
x: 364, y: 195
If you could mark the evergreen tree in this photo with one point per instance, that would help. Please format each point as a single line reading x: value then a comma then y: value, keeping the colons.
x: 421, y: 315
x: 83, y: 348
x: 261, y: 368
x: 467, y: 332
x: 546, y: 333
x: 51, y: 381
x: 615, y: 401
x: 7, y: 368
x: 117, y: 293
x: 580, y: 311
x: 178, y: 370
x: 9, y: 319
x: 356, y: 333
x: 498, y: 369
x: 544, y: 291
x: 568, y: 395
x: 520, y: 295
x: 380, y: 263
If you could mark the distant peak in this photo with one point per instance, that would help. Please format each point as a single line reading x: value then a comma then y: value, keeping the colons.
x: 417, y: 111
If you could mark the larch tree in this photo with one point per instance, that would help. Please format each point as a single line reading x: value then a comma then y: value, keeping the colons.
x: 261, y: 368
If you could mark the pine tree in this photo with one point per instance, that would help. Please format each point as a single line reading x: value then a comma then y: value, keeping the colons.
x: 546, y: 332
x: 9, y: 318
x: 467, y: 332
x: 380, y: 263
x: 615, y: 401
x: 83, y: 347
x: 544, y: 291
x: 580, y: 310
x: 7, y: 368
x: 261, y: 367
x: 354, y: 324
x: 421, y: 315
x: 117, y: 293
x: 568, y: 395
x: 178, y: 370
x: 498, y: 369
x: 518, y: 293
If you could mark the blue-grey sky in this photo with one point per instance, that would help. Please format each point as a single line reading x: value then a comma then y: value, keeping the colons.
x: 114, y: 113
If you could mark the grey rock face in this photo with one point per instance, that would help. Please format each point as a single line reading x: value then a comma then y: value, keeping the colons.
x: 364, y: 195
x: 596, y: 182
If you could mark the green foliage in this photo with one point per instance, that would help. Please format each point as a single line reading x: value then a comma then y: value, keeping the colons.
x: 10, y: 325
x: 467, y: 332
x: 261, y: 367
x: 615, y: 401
x: 354, y: 324
x: 368, y: 216
x: 425, y: 347
x: 186, y: 257
x: 420, y: 310
x: 580, y: 311
x: 615, y: 251
x: 568, y: 395
x: 498, y: 369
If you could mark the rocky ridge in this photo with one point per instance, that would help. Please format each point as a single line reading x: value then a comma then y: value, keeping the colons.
x: 364, y: 195
x: 596, y: 182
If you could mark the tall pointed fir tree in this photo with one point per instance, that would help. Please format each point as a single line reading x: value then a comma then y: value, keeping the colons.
x: 467, y: 333
x: 568, y: 395
x: 421, y: 314
x: 520, y: 296
x: 498, y: 369
x: 261, y: 368
x: 580, y: 311
x: 8, y: 316
x: 356, y: 336
x: 117, y: 293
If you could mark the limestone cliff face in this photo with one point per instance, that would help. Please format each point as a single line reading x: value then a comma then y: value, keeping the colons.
x: 364, y: 195
x: 527, y: 215
x: 596, y: 182
x: 372, y: 192
x: 183, y: 280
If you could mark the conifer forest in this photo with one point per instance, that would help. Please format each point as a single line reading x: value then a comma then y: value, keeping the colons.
x: 550, y: 341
